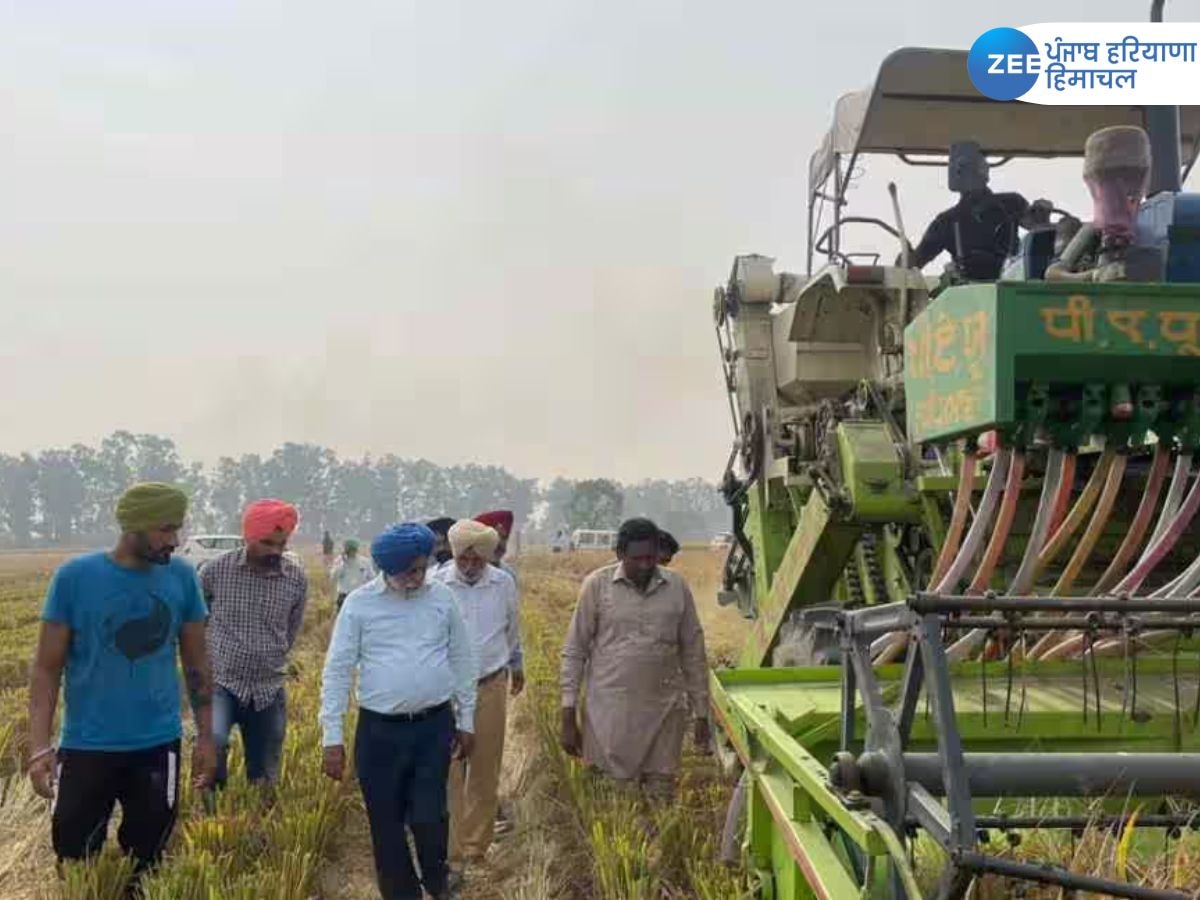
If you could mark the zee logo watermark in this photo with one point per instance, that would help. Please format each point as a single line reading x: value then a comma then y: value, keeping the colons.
x: 1089, y: 63
x: 1013, y: 64
x: 1004, y: 63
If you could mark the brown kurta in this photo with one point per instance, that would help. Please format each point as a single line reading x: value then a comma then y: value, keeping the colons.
x: 641, y: 655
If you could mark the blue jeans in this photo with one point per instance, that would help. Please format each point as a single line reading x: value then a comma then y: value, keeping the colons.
x: 402, y: 769
x: 263, y: 731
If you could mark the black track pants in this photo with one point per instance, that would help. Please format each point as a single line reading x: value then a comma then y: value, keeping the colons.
x: 91, y: 782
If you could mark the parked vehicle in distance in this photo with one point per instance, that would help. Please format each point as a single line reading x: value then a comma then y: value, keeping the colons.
x: 593, y: 539
x: 199, y: 549
x: 722, y: 540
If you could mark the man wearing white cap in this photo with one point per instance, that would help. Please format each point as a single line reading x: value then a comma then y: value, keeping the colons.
x: 487, y: 598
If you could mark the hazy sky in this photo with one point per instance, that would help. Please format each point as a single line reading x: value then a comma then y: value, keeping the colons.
x: 467, y: 231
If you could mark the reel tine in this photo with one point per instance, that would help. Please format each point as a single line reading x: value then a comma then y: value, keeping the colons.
x: 1175, y: 687
x: 983, y: 683
x: 1083, y: 671
x: 1009, y: 686
x: 1024, y: 682
x: 1196, y: 707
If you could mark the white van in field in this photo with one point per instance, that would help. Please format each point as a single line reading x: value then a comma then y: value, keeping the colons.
x: 591, y: 539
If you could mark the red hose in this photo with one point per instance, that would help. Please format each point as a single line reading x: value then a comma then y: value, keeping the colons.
x: 1141, y: 520
x: 1004, y: 521
x: 1165, y: 544
x: 958, y: 518
x: 1066, y: 484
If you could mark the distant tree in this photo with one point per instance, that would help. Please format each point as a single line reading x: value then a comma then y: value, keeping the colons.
x: 60, y: 493
x: 595, y: 503
x: 690, y: 509
x: 352, y: 493
x: 198, y: 487
x: 384, y: 507
x: 18, y: 496
x: 225, y: 495
x: 254, y: 479
x: 116, y: 470
x: 158, y: 460
x: 94, y: 519
x: 423, y: 489
x: 302, y: 474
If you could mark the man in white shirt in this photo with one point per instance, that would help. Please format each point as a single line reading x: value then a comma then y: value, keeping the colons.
x: 350, y: 572
x: 416, y: 676
x: 487, y: 598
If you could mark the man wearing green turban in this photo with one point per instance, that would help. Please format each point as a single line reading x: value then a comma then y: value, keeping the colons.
x: 156, y: 512
x: 113, y: 624
x: 350, y: 572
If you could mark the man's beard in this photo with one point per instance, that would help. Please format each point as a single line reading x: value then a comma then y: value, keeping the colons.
x: 156, y: 557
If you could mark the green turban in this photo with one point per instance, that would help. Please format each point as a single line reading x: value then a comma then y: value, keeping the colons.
x: 151, y: 505
x: 351, y: 546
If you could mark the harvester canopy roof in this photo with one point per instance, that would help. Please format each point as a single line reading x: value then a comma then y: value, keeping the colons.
x: 923, y: 101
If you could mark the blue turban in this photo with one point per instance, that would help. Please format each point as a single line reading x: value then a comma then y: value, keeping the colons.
x: 395, y: 549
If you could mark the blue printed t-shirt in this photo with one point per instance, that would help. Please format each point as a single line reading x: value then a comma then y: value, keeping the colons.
x: 122, y: 685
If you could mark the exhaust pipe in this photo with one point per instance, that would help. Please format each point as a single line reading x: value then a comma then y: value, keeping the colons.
x: 1162, y: 125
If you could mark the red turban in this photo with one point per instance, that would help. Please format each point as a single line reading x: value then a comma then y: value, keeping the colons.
x: 501, y: 520
x: 263, y: 518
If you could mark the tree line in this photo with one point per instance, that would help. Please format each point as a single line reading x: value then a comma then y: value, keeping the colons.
x: 66, y: 496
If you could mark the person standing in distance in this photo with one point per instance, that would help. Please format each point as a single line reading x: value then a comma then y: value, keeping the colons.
x: 113, y: 624
x: 350, y: 572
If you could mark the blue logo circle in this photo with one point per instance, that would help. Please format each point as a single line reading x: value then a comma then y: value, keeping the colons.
x: 1000, y: 63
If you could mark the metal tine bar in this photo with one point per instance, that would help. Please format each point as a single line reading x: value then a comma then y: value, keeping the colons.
x: 1114, y: 822
x: 1047, y: 874
x: 924, y: 603
x: 1111, y: 623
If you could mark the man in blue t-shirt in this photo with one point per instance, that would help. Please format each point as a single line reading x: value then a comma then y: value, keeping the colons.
x: 112, y: 624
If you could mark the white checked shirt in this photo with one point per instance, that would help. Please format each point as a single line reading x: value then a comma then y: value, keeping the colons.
x: 489, y: 607
x: 254, y: 616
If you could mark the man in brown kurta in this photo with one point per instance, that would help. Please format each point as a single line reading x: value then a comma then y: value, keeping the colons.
x: 636, y: 641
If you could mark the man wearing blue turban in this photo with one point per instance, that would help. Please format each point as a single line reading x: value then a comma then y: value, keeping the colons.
x: 416, y: 697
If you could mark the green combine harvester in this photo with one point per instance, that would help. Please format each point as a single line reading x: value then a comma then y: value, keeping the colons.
x: 965, y: 509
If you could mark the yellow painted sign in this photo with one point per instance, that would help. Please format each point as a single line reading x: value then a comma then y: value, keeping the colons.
x: 1077, y: 319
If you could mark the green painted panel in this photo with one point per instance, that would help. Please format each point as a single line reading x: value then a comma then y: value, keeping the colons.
x: 969, y: 351
x: 950, y: 364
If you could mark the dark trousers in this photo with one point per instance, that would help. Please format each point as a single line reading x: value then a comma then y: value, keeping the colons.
x: 402, y: 769
x: 91, y: 782
x: 262, y: 730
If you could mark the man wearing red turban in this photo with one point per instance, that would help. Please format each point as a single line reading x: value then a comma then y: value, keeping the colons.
x: 256, y: 598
